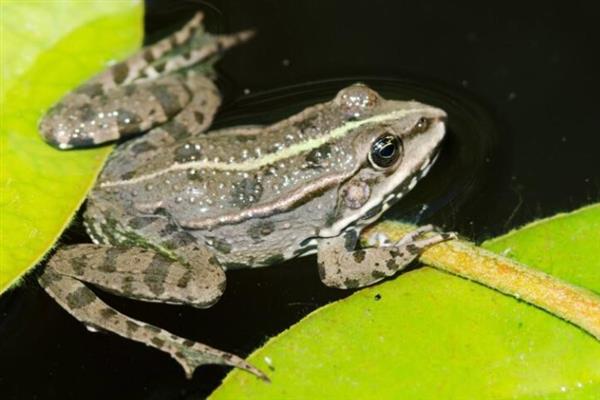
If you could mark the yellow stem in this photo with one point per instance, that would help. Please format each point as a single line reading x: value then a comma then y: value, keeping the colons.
x: 577, y: 305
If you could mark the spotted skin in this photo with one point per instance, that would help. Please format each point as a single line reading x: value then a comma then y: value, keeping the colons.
x: 143, y: 274
x: 151, y: 87
x: 82, y: 303
x: 162, y: 88
x: 146, y: 275
x: 345, y: 266
x: 174, y: 208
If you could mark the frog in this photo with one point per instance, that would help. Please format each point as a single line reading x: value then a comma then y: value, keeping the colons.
x: 177, y: 204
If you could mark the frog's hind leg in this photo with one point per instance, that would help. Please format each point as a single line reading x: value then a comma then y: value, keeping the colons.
x: 140, y: 274
x: 142, y: 92
x: 131, y: 69
x: 83, y: 121
x: 187, y: 47
x: 199, y: 53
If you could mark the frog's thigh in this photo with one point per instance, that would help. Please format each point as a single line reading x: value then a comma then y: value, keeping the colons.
x: 64, y: 279
x: 343, y: 266
x: 142, y: 274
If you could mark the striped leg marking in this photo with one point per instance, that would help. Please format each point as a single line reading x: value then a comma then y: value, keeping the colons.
x: 139, y: 274
x: 144, y: 91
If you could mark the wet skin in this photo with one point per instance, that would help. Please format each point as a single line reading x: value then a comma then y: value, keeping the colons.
x: 175, y: 208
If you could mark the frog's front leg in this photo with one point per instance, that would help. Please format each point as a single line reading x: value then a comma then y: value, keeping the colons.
x: 343, y: 265
x: 144, y: 275
x: 160, y: 82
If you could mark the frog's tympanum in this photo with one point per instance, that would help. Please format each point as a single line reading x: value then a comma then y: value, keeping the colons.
x: 176, y: 207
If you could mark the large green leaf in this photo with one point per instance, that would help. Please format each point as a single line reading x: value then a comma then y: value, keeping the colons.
x: 47, y: 49
x: 431, y: 335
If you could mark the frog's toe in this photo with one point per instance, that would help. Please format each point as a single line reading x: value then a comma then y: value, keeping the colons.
x: 191, y: 355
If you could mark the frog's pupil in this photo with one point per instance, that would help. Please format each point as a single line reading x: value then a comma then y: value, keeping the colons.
x: 388, y: 150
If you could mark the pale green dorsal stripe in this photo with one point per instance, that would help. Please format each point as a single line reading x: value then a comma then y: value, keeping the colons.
x: 256, y: 163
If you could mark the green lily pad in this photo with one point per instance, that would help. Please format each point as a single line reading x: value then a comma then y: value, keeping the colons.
x: 49, y: 48
x: 431, y: 335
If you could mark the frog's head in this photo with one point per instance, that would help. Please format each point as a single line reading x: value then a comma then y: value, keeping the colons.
x: 394, y: 144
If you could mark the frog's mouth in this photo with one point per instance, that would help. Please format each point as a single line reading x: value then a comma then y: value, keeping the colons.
x: 422, y: 152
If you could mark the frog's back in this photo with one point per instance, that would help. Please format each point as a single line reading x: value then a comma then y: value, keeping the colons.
x: 236, y: 173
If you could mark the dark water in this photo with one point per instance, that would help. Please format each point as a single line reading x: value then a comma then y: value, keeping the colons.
x: 519, y: 82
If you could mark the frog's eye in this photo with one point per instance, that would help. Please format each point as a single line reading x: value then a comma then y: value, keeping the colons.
x: 385, y: 151
x: 421, y: 125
